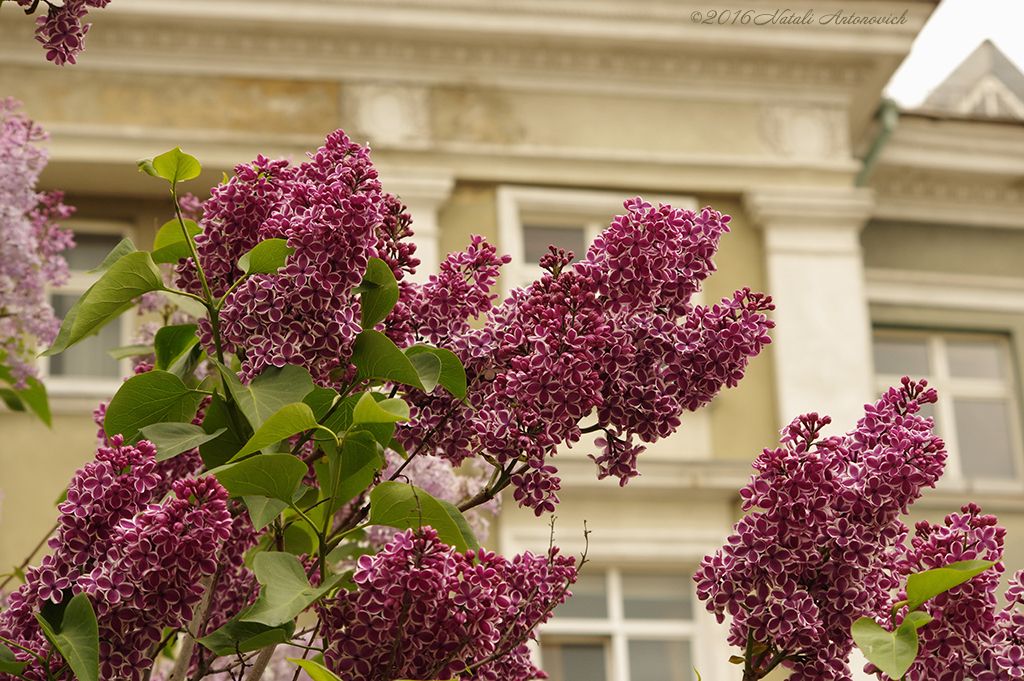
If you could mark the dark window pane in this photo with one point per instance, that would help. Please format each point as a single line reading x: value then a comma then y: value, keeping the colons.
x: 90, y: 250
x: 656, y: 597
x: 659, y: 661
x: 903, y: 357
x: 537, y: 238
x: 574, y: 661
x: 89, y: 357
x: 589, y: 598
x: 984, y: 435
x: 975, y: 359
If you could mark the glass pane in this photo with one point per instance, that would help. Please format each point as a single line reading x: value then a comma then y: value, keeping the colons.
x: 976, y: 359
x: 659, y: 661
x: 89, y: 357
x: 574, y: 661
x: 537, y: 238
x: 984, y: 435
x: 589, y: 598
x: 656, y: 597
x: 901, y: 356
x: 90, y: 250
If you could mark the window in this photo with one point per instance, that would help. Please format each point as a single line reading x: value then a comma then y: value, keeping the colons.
x: 622, y: 625
x: 977, y: 414
x: 532, y: 218
x: 86, y: 369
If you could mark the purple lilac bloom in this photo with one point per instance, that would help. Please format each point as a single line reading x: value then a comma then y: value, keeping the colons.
x: 422, y: 610
x: 822, y: 544
x: 61, y: 30
x: 30, y: 244
x: 614, y: 336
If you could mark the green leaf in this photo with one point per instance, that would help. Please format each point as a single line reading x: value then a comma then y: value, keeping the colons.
x: 130, y: 351
x: 32, y: 396
x: 245, y: 637
x: 8, y: 662
x: 452, y: 376
x: 285, y: 422
x: 286, y: 591
x: 428, y: 366
x: 299, y: 540
x: 127, y: 279
x: 341, y: 420
x: 175, y: 166
x: 404, y: 506
x: 170, y: 244
x: 218, y: 452
x: 76, y: 637
x: 316, y: 671
x: 268, y: 392
x: 344, y: 474
x: 145, y: 399
x: 266, y: 257
x: 369, y: 410
x: 124, y: 247
x: 930, y: 583
x: 171, y: 342
x: 172, y: 439
x: 892, y: 652
x: 380, y: 293
x: 263, y: 510
x: 270, y: 475
x: 460, y: 520
x: 918, y: 618
x: 320, y: 400
x: 377, y: 357
x: 146, y: 165
x: 11, y: 399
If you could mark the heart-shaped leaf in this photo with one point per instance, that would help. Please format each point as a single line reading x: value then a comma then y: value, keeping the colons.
x: 286, y: 590
x: 891, y: 651
x: 269, y: 475
x: 76, y: 637
x: 145, y: 399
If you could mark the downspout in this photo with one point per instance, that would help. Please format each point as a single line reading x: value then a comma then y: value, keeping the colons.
x: 889, y: 116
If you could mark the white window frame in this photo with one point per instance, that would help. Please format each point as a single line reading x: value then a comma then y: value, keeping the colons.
x: 949, y: 387
x: 77, y: 393
x: 618, y: 630
x: 591, y: 210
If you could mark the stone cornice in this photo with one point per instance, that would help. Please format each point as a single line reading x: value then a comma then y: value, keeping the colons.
x: 911, y: 194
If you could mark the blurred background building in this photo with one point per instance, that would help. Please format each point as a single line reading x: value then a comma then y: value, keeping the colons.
x: 891, y: 240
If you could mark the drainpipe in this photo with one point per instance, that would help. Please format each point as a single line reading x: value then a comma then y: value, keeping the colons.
x: 889, y: 116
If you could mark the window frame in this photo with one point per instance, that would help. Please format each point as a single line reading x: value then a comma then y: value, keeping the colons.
x: 590, y: 209
x: 950, y: 324
x: 75, y: 393
x: 617, y: 630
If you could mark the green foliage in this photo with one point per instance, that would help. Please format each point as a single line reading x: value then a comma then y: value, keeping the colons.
x: 171, y: 342
x: 145, y: 399
x: 245, y: 637
x: 263, y: 510
x: 315, y: 670
x: 30, y: 398
x: 268, y: 392
x: 891, y: 651
x: 216, y: 453
x: 377, y: 358
x: 286, y: 590
x: 124, y: 247
x: 76, y: 637
x: 451, y: 376
x: 379, y: 293
x: 289, y: 420
x: 9, y: 663
x: 346, y: 473
x: 370, y: 409
x: 172, y: 438
x: 404, y: 506
x: 127, y: 279
x: 174, y: 166
x: 170, y: 244
x: 895, y: 651
x: 271, y: 475
x: 267, y: 257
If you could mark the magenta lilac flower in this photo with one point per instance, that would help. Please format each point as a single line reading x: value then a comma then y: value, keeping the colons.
x: 422, y: 610
x: 823, y: 544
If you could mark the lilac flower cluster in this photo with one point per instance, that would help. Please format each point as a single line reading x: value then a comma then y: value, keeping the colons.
x: 30, y: 243
x: 823, y: 543
x: 422, y: 610
x: 140, y: 562
x: 61, y: 31
x: 614, y: 335
x: 331, y: 211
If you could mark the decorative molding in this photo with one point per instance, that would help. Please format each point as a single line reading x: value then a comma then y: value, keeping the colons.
x: 945, y: 290
x: 805, y: 132
x: 810, y: 220
x: 388, y: 114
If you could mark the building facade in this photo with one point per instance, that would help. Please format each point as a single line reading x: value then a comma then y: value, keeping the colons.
x: 888, y: 249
